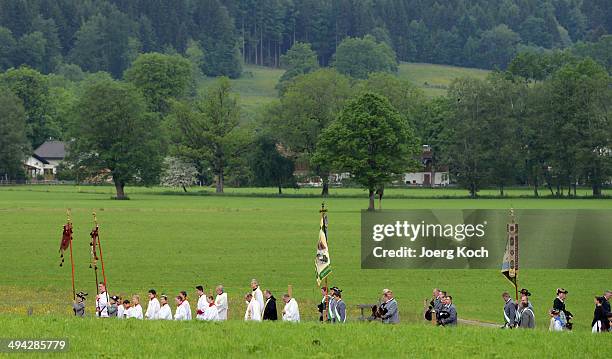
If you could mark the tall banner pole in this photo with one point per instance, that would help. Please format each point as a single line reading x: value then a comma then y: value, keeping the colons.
x: 97, y: 227
x: 514, y: 232
x: 71, y: 257
x: 94, y: 255
x: 69, y: 223
x: 510, y: 263
x: 66, y: 244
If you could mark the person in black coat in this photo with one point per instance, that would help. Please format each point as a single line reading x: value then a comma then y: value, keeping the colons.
x: 606, y: 303
x: 559, y: 304
x: 270, y: 312
x: 600, y: 316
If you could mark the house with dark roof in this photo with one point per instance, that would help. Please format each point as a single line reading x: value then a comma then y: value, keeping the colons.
x: 45, y: 159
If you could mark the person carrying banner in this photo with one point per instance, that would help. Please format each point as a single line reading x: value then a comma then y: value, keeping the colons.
x: 102, y: 301
x: 509, y: 311
x: 325, y: 302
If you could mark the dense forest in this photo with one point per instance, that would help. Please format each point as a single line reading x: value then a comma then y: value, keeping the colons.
x: 120, y: 82
x: 106, y: 35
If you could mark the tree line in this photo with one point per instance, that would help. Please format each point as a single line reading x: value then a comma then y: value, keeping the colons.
x: 107, y: 35
x: 544, y: 123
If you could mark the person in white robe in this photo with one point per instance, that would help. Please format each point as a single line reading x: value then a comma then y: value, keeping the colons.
x: 202, y: 303
x: 165, y: 313
x: 257, y: 293
x: 183, y: 309
x: 135, y: 310
x: 253, y: 311
x: 291, y: 312
x: 211, y: 312
x: 153, y: 307
x: 121, y: 308
x: 102, y: 301
x: 221, y: 303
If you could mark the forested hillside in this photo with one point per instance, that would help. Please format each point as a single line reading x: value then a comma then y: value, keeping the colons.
x: 106, y: 35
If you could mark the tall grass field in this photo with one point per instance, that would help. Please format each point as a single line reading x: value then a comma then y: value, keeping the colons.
x: 171, y: 241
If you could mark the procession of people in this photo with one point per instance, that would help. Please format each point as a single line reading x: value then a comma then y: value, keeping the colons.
x: 208, y: 307
x: 261, y: 305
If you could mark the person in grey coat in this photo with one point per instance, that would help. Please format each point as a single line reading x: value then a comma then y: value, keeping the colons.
x: 527, y: 317
x: 389, y: 308
x: 509, y: 311
x: 78, y: 306
x: 339, y: 307
x: 448, y: 314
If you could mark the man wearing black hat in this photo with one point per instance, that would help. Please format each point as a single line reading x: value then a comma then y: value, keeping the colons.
x: 79, y: 304
x: 112, y: 307
x: 339, y: 307
x: 559, y: 304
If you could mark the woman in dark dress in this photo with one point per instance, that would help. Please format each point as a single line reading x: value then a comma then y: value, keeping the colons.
x: 600, y: 321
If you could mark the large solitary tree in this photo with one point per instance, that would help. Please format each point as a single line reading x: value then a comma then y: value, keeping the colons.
x: 115, y: 133
x: 371, y: 141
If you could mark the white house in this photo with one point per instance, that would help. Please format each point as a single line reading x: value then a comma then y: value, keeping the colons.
x: 45, y: 160
x: 440, y: 179
x: 430, y: 175
x: 35, y: 166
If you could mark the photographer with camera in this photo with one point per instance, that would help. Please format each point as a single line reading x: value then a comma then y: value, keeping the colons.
x: 448, y: 313
x: 389, y: 311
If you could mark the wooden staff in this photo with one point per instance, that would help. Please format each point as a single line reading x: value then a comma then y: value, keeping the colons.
x: 100, y: 246
x: 71, y: 258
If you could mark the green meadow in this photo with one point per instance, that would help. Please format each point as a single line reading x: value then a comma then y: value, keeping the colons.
x: 257, y: 85
x: 171, y: 241
x: 434, y: 80
x: 89, y: 338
